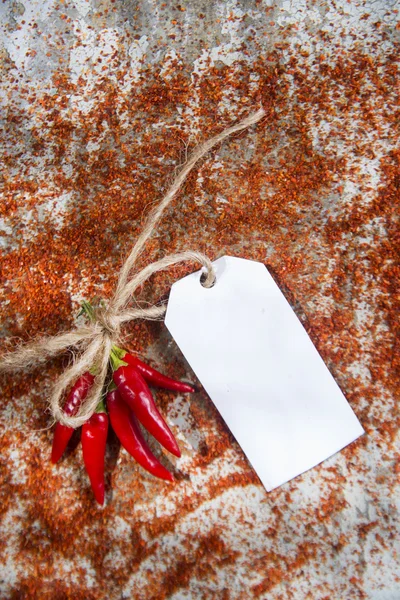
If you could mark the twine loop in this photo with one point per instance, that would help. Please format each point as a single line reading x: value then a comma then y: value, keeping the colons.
x: 210, y: 278
x: 93, y: 343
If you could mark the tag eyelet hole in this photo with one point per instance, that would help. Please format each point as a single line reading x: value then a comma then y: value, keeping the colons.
x: 203, y: 278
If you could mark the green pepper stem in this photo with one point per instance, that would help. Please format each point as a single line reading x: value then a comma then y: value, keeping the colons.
x: 116, y: 361
x: 87, y: 310
x: 101, y: 407
x: 120, y: 352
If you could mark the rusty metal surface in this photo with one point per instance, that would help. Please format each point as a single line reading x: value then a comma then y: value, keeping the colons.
x: 100, y: 101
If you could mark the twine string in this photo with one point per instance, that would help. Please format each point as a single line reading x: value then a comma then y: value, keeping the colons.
x: 92, y: 344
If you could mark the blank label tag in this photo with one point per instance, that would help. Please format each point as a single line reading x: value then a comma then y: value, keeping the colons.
x: 261, y: 370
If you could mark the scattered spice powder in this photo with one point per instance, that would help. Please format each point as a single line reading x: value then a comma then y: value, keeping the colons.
x: 75, y: 191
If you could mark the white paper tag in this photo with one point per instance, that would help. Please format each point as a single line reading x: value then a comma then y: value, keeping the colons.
x: 261, y: 370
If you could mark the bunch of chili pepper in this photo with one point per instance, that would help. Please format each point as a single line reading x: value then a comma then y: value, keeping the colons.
x: 127, y: 402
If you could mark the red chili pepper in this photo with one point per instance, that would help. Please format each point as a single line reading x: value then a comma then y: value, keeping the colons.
x: 94, y: 438
x: 128, y: 431
x: 155, y: 377
x: 62, y: 433
x: 136, y: 394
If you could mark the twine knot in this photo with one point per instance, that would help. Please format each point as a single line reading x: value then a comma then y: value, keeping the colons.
x: 108, y: 321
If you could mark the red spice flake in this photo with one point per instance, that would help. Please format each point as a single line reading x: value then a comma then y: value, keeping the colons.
x: 209, y: 554
x: 273, y: 577
x: 334, y: 503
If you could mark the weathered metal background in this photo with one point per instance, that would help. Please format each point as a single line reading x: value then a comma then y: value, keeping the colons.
x: 100, y: 101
